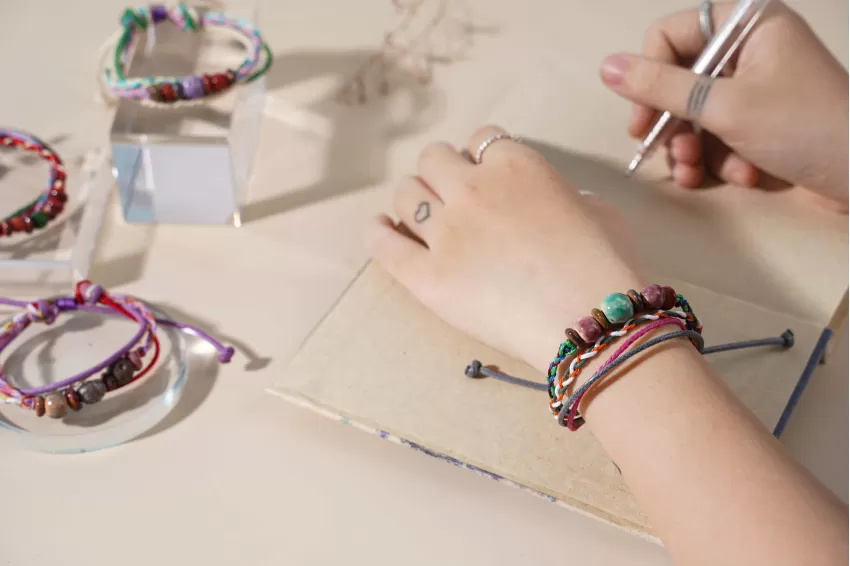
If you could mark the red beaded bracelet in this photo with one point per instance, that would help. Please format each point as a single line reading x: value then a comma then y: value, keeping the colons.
x: 38, y: 213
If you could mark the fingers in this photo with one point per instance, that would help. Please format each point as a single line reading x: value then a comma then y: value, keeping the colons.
x: 401, y: 256
x: 686, y: 148
x: 498, y: 148
x: 688, y: 168
x: 418, y: 207
x: 675, y: 40
x: 666, y: 87
x: 678, y: 38
x: 727, y: 165
x: 442, y: 167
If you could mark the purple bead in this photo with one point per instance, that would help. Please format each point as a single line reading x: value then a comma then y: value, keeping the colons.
x: 653, y: 296
x: 159, y: 13
x: 193, y: 87
x: 588, y: 329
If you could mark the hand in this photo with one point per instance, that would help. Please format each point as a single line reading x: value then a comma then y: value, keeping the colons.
x: 506, y: 251
x: 783, y: 110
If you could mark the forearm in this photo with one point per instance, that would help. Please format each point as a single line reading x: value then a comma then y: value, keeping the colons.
x: 716, y: 486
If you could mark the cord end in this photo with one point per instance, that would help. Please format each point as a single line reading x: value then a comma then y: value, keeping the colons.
x: 226, y: 354
x: 787, y: 339
x: 473, y: 369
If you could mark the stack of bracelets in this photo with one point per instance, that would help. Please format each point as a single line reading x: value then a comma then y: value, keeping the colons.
x: 129, y: 364
x: 47, y: 206
x: 170, y: 92
x: 629, y: 314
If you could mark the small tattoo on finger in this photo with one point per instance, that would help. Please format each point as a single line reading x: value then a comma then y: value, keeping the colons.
x: 423, y: 212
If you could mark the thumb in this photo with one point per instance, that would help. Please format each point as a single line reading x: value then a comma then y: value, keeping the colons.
x: 667, y: 87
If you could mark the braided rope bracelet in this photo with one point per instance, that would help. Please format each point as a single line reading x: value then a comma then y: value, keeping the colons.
x: 125, y: 366
x: 602, y: 328
x: 47, y: 206
x: 174, y: 92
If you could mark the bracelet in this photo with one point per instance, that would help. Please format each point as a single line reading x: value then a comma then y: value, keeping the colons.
x: 47, y: 206
x: 119, y: 370
x: 170, y: 92
x: 569, y: 417
x: 601, y: 328
x: 573, y: 401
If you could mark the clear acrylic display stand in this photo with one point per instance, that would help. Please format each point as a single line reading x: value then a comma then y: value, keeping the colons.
x: 187, y: 165
x: 60, y: 253
x: 47, y: 354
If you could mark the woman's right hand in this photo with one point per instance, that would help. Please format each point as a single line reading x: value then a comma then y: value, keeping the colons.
x: 783, y: 109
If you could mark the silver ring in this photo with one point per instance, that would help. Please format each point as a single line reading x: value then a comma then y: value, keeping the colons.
x: 705, y: 23
x: 696, y: 100
x: 486, y: 143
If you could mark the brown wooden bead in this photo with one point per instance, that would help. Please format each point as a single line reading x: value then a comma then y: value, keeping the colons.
x: 601, y: 318
x: 39, y: 406
x: 669, y: 298
x: 109, y: 381
x: 637, y: 300
x: 153, y: 91
x: 73, y: 400
x: 55, y: 406
x: 575, y: 338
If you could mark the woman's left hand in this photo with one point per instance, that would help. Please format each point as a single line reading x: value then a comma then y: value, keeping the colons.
x: 506, y: 251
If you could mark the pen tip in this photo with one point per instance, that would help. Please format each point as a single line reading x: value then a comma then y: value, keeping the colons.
x: 634, y: 164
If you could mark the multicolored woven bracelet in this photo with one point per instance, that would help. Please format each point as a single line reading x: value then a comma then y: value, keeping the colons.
x: 615, y: 318
x: 124, y: 367
x: 47, y: 206
x: 169, y: 92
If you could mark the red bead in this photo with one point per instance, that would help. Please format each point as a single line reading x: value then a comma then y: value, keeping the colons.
x: 5, y: 228
x: 669, y: 298
x: 167, y: 92
x: 220, y: 82
x: 207, y: 81
x: 59, y: 196
x: 18, y: 224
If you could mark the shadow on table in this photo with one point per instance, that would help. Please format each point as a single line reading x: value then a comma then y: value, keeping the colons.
x: 361, y: 121
x: 203, y: 366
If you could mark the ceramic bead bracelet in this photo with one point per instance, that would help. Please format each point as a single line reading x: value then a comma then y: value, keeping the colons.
x: 615, y: 318
x: 38, y: 213
x: 176, y: 91
x: 124, y: 367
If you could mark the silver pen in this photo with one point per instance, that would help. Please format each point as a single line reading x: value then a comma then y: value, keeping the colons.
x: 711, y: 62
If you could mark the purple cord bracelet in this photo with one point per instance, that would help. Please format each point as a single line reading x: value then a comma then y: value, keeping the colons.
x: 120, y: 369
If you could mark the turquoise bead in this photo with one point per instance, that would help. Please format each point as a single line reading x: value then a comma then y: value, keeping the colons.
x: 617, y: 307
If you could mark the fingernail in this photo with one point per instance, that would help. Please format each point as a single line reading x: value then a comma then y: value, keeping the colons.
x: 614, y: 68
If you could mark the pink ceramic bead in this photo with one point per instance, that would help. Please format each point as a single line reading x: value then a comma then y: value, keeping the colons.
x: 653, y: 296
x: 589, y: 330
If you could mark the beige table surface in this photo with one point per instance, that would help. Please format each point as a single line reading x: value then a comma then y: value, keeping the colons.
x: 237, y: 476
